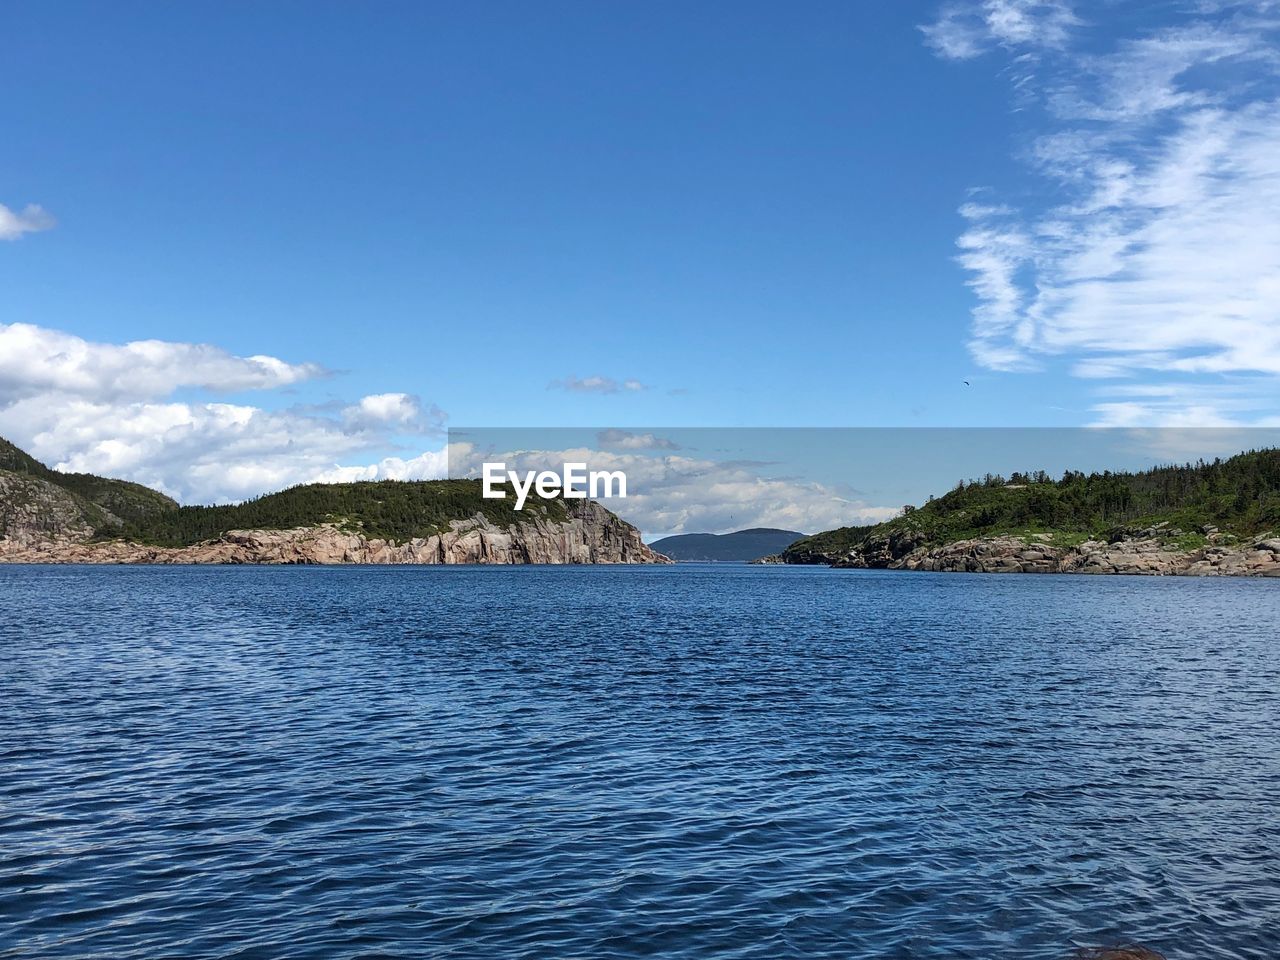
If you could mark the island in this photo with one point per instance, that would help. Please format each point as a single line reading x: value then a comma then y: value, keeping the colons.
x: 1214, y: 518
x: 47, y: 516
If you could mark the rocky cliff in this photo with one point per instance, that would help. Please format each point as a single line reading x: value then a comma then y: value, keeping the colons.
x: 37, y: 502
x: 50, y: 517
x: 589, y: 534
x: 33, y: 511
x: 1154, y: 552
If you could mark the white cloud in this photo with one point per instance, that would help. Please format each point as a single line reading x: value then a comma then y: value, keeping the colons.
x: 108, y: 409
x: 35, y: 360
x: 196, y: 452
x: 669, y: 493
x: 627, y: 440
x: 994, y: 252
x: 431, y: 465
x: 1145, y: 76
x: 966, y: 30
x: 1230, y: 403
x: 596, y: 384
x: 402, y: 412
x: 1183, y: 444
x: 30, y: 219
x: 1159, y: 256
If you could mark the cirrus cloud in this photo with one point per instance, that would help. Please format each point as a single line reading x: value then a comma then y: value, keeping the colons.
x: 966, y: 30
x: 1150, y: 248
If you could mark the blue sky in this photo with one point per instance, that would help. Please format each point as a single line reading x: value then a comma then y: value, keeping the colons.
x: 429, y: 214
x: 720, y: 479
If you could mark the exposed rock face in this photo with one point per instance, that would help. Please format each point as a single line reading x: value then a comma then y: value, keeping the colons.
x: 591, y: 534
x: 33, y: 511
x: 1140, y: 555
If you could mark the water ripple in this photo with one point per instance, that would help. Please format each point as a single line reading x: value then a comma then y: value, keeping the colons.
x: 695, y: 762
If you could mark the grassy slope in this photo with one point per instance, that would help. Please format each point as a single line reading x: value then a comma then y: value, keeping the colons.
x: 1241, y: 496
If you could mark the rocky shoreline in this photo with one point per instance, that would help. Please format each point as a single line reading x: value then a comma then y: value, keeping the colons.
x: 1150, y: 553
x: 591, y: 534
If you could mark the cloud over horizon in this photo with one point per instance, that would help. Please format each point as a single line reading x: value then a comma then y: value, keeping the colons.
x: 669, y: 493
x: 1157, y: 257
x: 110, y: 409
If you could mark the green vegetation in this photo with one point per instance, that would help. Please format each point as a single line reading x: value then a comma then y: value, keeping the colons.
x: 120, y: 499
x: 386, y: 509
x: 1240, y: 496
x: 19, y: 461
x: 825, y: 546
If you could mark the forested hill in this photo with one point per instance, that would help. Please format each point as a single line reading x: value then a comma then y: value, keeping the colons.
x: 1240, y: 496
x: 37, y: 501
x: 386, y: 509
x: 74, y: 497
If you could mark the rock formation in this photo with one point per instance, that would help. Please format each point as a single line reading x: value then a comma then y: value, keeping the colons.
x: 34, y: 511
x: 590, y: 534
x: 1150, y: 552
x: 47, y: 516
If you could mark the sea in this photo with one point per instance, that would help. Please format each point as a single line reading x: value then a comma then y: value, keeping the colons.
x: 695, y: 761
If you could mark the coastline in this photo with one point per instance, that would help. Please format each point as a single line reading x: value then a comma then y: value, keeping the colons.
x: 592, y: 535
x: 1149, y: 554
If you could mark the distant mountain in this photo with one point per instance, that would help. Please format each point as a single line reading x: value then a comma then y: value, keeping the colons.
x: 743, y: 545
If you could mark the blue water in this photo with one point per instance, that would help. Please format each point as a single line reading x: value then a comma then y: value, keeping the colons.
x: 700, y: 761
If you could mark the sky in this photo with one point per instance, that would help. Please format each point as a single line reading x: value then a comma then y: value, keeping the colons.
x: 245, y: 245
x: 808, y: 479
